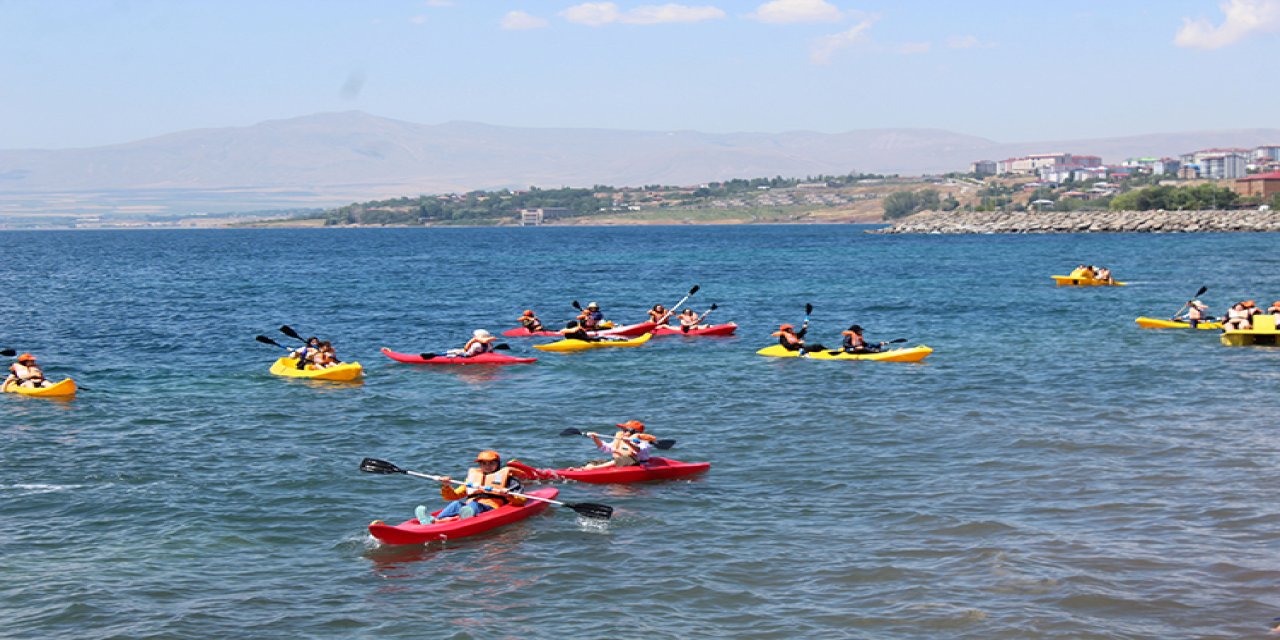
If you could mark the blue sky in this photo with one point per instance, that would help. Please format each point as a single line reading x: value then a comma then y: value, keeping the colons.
x: 87, y: 72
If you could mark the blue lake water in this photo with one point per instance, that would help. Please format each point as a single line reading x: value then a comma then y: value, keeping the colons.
x: 1051, y: 471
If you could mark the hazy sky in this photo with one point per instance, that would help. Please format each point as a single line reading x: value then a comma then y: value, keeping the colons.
x: 81, y: 73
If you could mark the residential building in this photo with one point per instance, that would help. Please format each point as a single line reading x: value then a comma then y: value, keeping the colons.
x: 1219, y: 164
x: 1263, y: 185
x: 1033, y: 163
x: 1267, y: 153
x: 983, y: 168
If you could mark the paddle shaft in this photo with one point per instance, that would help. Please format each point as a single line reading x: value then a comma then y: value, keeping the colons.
x: 692, y: 291
x: 1197, y: 295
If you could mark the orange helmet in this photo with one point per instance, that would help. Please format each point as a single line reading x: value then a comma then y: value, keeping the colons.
x: 488, y: 454
x: 528, y: 312
x: 632, y: 425
x: 26, y: 357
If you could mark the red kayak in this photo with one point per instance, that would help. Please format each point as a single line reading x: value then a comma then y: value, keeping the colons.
x: 412, y: 532
x: 726, y: 329
x: 626, y: 331
x: 654, y: 469
x: 481, y: 358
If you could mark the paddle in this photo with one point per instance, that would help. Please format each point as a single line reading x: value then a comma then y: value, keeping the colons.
x: 682, y: 300
x: 8, y: 353
x: 660, y: 444
x: 502, y: 346
x: 288, y: 331
x: 588, y: 509
x: 1197, y: 295
x: 895, y: 341
x: 266, y: 340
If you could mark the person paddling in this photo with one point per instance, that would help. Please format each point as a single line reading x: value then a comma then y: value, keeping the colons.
x: 481, y: 342
x: 529, y: 320
x: 591, y: 318
x: 659, y: 315
x: 853, y: 341
x: 629, y: 447
x: 574, y: 330
x: 487, y: 487
x: 1195, y: 313
x: 793, y: 340
x: 689, y: 319
x: 26, y: 373
x: 307, y: 353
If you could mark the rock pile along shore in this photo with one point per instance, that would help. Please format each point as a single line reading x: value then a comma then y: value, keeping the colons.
x: 1086, y: 222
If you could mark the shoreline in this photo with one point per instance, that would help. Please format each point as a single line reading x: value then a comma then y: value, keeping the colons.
x: 970, y: 222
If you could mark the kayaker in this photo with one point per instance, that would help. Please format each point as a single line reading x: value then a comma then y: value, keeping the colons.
x: 689, y: 319
x: 529, y: 320
x: 659, y: 315
x: 630, y: 446
x: 1274, y: 309
x: 1104, y: 274
x: 573, y: 330
x: 26, y: 373
x: 306, y: 354
x: 488, y: 486
x: 591, y: 318
x: 481, y: 342
x: 1237, y: 317
x: 854, y: 342
x: 1195, y: 313
x: 325, y: 357
x: 793, y: 340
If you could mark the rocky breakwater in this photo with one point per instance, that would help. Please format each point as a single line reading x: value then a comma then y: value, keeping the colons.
x: 1086, y: 222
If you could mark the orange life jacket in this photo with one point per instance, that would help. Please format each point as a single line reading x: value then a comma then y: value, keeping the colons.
x: 479, y: 486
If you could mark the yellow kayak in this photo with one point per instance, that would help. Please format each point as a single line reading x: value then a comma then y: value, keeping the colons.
x: 344, y: 372
x: 1071, y: 281
x: 910, y: 354
x: 64, y: 389
x: 1157, y: 323
x: 563, y: 346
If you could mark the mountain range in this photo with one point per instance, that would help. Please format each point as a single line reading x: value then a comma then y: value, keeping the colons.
x: 332, y: 159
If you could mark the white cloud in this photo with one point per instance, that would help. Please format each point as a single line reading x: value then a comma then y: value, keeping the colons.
x: 518, y: 20
x: 792, y: 11
x: 418, y: 19
x: 912, y: 48
x: 596, y: 14
x: 1242, y: 19
x: 826, y: 47
x: 968, y: 42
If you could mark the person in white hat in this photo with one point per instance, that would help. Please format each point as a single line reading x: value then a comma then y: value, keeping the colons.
x: 1195, y: 313
x: 481, y: 342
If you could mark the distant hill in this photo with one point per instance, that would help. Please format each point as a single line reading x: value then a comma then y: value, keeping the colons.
x: 332, y: 159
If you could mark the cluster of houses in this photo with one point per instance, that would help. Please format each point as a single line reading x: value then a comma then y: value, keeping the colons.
x: 1254, y: 172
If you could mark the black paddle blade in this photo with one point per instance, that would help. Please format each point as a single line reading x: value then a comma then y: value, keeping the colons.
x: 502, y: 346
x: 896, y: 341
x: 808, y: 309
x: 266, y: 340
x: 592, y: 510
x: 8, y: 353
x: 1200, y: 292
x: 713, y: 307
x: 428, y: 356
x: 664, y: 444
x: 576, y: 305
x: 374, y: 465
x: 288, y: 331
x: 695, y: 289
x: 571, y: 432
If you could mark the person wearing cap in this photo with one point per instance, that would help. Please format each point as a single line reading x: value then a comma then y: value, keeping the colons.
x: 853, y: 341
x: 630, y: 446
x: 1274, y: 309
x: 489, y: 485
x: 1104, y: 274
x: 529, y: 320
x: 591, y: 318
x: 689, y: 319
x: 1195, y: 313
x: 26, y: 373
x: 659, y: 315
x: 481, y: 342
